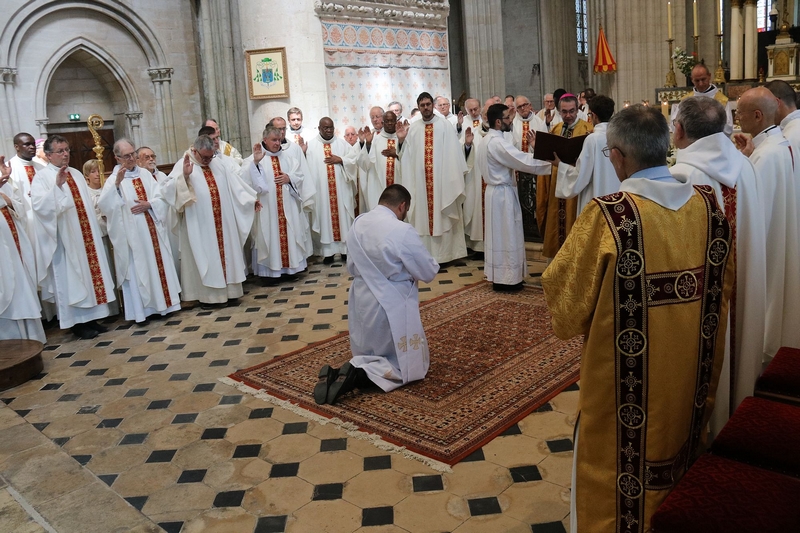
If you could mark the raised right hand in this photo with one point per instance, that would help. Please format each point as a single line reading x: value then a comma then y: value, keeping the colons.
x: 120, y: 175
x: 61, y: 177
x: 188, y: 166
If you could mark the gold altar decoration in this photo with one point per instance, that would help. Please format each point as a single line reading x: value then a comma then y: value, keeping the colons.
x: 95, y: 122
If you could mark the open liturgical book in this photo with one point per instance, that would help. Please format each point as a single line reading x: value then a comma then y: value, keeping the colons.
x: 567, y: 150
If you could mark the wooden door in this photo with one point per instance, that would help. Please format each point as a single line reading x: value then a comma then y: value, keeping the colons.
x: 81, y: 144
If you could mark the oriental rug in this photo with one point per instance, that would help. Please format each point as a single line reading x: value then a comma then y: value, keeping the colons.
x: 494, y: 359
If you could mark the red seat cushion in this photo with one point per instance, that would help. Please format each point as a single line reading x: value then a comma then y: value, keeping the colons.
x: 762, y: 433
x: 781, y: 378
x: 718, y: 495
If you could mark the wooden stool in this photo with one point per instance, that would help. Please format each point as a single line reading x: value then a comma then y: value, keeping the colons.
x: 20, y: 360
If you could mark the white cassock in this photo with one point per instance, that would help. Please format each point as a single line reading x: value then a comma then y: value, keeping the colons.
x: 142, y: 255
x: 593, y: 175
x: 386, y: 259
x: 504, y: 239
x: 169, y: 218
x: 215, y: 208
x: 437, y: 217
x: 711, y: 92
x: 71, y: 263
x: 777, y: 182
x: 334, y: 206
x: 22, y: 173
x: 227, y: 149
x: 381, y: 171
x: 790, y: 127
x: 715, y: 161
x: 474, y: 189
x: 452, y: 118
x: 281, y: 234
x: 20, y: 313
x: 362, y: 175
x: 553, y: 121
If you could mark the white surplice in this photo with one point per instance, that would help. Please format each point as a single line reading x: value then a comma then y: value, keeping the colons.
x: 534, y: 124
x: 715, y: 161
x: 386, y: 259
x: 20, y: 313
x: 504, y: 239
x: 373, y: 163
x: 322, y: 229
x: 777, y: 182
x: 297, y: 196
x: 145, y: 270
x: 711, y: 92
x: 473, y: 207
x: 203, y: 276
x: 63, y: 263
x: 446, y: 241
x: 21, y: 181
x: 593, y: 174
x: 553, y: 121
x: 362, y: 175
x: 227, y: 149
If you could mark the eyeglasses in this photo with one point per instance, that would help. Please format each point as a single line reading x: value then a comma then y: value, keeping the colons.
x: 60, y: 152
x: 520, y: 106
x: 607, y: 151
x: 128, y: 157
x: 146, y: 156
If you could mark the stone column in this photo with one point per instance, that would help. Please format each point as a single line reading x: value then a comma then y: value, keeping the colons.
x: 560, y: 57
x: 7, y: 127
x: 133, y: 126
x: 162, y: 82
x: 483, y: 34
x: 737, y: 47
x: 42, y: 123
x: 750, y: 40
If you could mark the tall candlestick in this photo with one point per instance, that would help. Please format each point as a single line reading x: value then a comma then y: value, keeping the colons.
x: 694, y: 9
x: 669, y: 20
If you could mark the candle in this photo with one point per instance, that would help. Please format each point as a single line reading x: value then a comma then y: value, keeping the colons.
x: 665, y: 109
x: 719, y: 18
x: 694, y: 9
x: 669, y: 20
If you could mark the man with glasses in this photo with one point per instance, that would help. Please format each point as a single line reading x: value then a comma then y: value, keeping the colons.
x: 645, y: 277
x: 701, y: 79
x: 146, y: 159
x: 135, y: 214
x: 548, y: 113
x: 71, y: 262
x: 504, y: 240
x: 225, y: 147
x: 555, y: 216
x: 215, y: 209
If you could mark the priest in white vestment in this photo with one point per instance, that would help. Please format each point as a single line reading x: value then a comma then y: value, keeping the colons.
x: 20, y: 312
x: 778, y: 178
x: 506, y: 266
x: 443, y: 107
x: 473, y: 209
x: 387, y: 261
x: 549, y: 114
x: 215, y: 207
x: 24, y: 166
x: 378, y: 160
x: 281, y: 234
x: 701, y: 80
x: 134, y: 210
x: 146, y: 159
x: 706, y: 156
x: 225, y: 148
x: 593, y: 175
x: 333, y: 167
x: 433, y: 170
x: 525, y: 120
x: 71, y: 264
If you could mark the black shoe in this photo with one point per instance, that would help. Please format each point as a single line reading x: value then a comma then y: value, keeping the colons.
x: 344, y: 258
x: 233, y: 302
x: 97, y: 326
x: 83, y: 331
x: 327, y: 375
x: 345, y: 382
x: 328, y: 260
x: 500, y: 287
x: 477, y: 256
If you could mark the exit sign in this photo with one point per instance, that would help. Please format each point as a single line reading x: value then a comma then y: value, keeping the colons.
x: 74, y: 117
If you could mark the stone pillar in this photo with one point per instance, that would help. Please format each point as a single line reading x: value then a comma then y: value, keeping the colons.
x: 737, y: 47
x: 560, y: 58
x: 750, y: 40
x: 133, y: 126
x: 162, y: 82
x: 483, y: 34
x: 7, y: 127
x: 42, y: 123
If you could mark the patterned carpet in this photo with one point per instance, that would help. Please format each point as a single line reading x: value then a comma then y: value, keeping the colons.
x: 494, y: 359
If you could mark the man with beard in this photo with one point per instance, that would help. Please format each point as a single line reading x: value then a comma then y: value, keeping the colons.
x: 378, y: 159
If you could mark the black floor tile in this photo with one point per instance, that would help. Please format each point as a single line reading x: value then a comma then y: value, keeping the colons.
x: 184, y: 418
x: 256, y: 349
x: 65, y: 355
x: 108, y: 479
x: 484, y: 506
x: 52, y: 386
x: 173, y: 323
x: 328, y: 491
x: 136, y: 393
x: 252, y: 310
x: 80, y: 363
x: 549, y: 527
x: 522, y: 474
x: 7, y: 400
x: 214, y: 434
x: 133, y: 438
x: 425, y: 289
x: 477, y: 455
x: 192, y: 476
x: 195, y: 355
x: 210, y: 335
x: 190, y: 329
x: 317, y: 327
x: 173, y: 347
x: 513, y: 430
x: 222, y: 319
x: 232, y: 342
x: 306, y: 293
x: 40, y: 426
x: 83, y: 460
x: 115, y: 381
x: 445, y: 282
x: 22, y: 412
x: 180, y: 377
x: 161, y: 456
x: 158, y: 367
x: 243, y: 324
x: 158, y: 404
x: 246, y: 450
x: 233, y: 399
x: 297, y: 320
x: 262, y: 412
x: 156, y: 339
x: 380, y: 462
x: 97, y: 372
x: 284, y: 470
x: 332, y: 445
x: 137, y: 358
x: 572, y: 387
x: 324, y: 311
x: 559, y: 445
x: 265, y: 331
x: 232, y: 498
x: 61, y: 441
x: 68, y: 397
x: 171, y: 527
x: 427, y: 483
x: 119, y: 351
x: 294, y: 428
x: 377, y: 516
x: 137, y: 501
x: 109, y: 423
x: 546, y: 408
x: 204, y: 387
x: 220, y: 362
x: 88, y: 409
x: 329, y: 297
x: 287, y: 338
x: 204, y: 313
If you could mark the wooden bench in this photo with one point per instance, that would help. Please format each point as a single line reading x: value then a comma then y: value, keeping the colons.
x: 20, y: 360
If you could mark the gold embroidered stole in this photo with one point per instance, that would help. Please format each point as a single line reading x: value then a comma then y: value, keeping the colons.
x: 429, y: 174
x: 216, y: 208
x: 141, y: 195
x: 390, y: 161
x: 88, y: 243
x: 276, y: 169
x: 333, y: 196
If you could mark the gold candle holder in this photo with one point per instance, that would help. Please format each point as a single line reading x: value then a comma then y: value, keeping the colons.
x: 671, y: 81
x: 719, y: 74
x: 696, y: 50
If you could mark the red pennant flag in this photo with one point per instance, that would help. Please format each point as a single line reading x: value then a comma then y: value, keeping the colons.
x: 604, y: 61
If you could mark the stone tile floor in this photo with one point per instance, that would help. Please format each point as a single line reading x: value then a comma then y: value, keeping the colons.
x: 132, y: 431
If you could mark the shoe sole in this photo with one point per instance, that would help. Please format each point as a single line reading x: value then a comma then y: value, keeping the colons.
x: 346, y: 377
x: 321, y: 388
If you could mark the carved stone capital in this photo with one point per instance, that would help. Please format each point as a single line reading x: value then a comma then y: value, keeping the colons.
x: 8, y: 75
x: 134, y: 117
x: 736, y: 4
x: 424, y: 13
x: 161, y: 74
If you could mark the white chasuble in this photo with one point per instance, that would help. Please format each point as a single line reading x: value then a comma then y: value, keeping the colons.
x: 381, y: 171
x: 474, y: 208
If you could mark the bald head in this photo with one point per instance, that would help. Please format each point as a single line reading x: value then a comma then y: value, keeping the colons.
x: 523, y: 106
x: 350, y: 135
x: 756, y: 110
x: 473, y: 107
x: 486, y: 105
x: 376, y: 117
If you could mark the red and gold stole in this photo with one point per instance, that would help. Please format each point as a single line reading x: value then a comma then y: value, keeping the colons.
x: 475, y: 123
x: 429, y: 173
x: 141, y: 194
x: 276, y: 169
x: 333, y: 197
x: 13, y: 227
x: 216, y: 207
x: 31, y: 172
x: 88, y: 243
x: 390, y: 161
x: 525, y: 127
